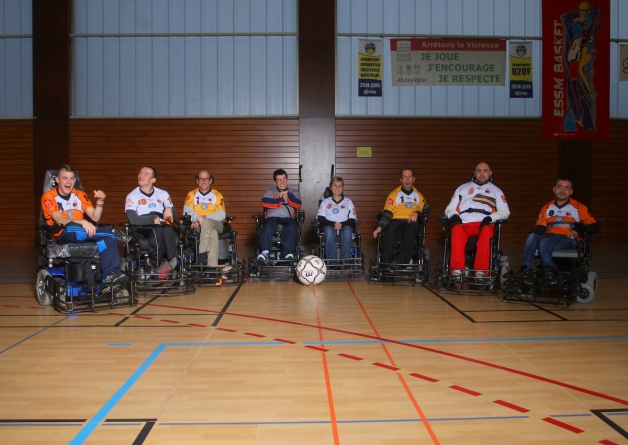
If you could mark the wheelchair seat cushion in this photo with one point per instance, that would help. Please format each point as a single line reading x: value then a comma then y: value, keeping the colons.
x: 74, y: 250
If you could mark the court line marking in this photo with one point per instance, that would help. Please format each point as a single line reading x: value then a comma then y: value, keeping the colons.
x: 32, y: 335
x: 423, y: 348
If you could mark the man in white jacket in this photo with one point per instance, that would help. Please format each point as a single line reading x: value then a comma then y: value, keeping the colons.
x: 473, y: 210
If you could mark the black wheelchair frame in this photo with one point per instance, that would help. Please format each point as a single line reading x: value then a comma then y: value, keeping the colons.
x: 232, y: 272
x: 340, y: 266
x: 467, y: 281
x: 276, y: 267
x: 417, y: 272
x: 573, y: 281
x: 147, y: 281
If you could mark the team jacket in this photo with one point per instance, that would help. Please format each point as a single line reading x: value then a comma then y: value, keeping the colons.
x: 71, y: 207
x: 330, y: 212
x: 277, y: 207
x: 402, y: 204
x: 210, y: 204
x: 144, y: 204
x: 561, y: 220
x: 474, y: 202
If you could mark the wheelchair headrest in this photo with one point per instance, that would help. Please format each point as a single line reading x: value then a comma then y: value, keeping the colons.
x: 50, y: 183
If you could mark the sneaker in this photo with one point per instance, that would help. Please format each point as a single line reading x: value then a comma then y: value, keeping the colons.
x: 456, y: 275
x: 550, y: 275
x: 151, y: 264
x: 263, y: 256
x: 164, y: 269
x: 202, y: 258
x: 480, y: 277
x: 116, y: 278
x: 288, y: 257
x: 122, y: 237
x: 174, y: 263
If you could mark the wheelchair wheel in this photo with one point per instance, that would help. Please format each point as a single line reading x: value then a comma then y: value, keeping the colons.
x: 592, y: 280
x: 43, y: 296
x: 121, y: 295
x: 586, y: 294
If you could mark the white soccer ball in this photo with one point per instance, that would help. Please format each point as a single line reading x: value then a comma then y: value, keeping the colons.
x: 311, y: 270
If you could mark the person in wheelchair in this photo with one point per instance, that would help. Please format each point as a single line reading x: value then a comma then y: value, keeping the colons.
x: 151, y: 207
x: 336, y: 214
x: 473, y: 210
x: 281, y: 202
x: 206, y: 208
x: 557, y: 227
x: 69, y: 207
x: 400, y: 219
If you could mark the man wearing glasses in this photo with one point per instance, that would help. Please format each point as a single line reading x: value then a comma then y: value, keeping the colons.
x: 206, y: 206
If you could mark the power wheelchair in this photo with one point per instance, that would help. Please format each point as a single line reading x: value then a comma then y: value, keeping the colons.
x: 69, y: 276
x: 147, y: 279
x: 231, y: 272
x: 415, y: 272
x: 573, y: 281
x: 467, y: 281
x: 336, y: 265
x: 276, y: 267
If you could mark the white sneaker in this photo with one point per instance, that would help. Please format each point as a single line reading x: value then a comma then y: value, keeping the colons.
x: 480, y: 277
x: 263, y: 256
x: 456, y: 275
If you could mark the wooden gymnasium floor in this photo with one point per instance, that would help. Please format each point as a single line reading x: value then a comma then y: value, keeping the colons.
x: 342, y: 363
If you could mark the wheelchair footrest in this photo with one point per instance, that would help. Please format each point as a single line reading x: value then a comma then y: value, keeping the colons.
x: 398, y: 274
x: 218, y: 276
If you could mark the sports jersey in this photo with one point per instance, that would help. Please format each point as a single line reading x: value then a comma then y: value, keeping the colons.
x: 204, y: 203
x: 277, y: 207
x: 474, y: 202
x: 71, y: 207
x: 336, y: 211
x: 144, y: 204
x: 561, y: 219
x: 403, y: 205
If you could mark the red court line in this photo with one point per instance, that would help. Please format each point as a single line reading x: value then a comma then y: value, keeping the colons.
x: 409, y: 345
x: 465, y: 390
x: 330, y: 395
x: 560, y: 424
x: 511, y: 406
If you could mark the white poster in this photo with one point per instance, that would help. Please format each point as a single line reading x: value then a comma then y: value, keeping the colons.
x: 448, y: 62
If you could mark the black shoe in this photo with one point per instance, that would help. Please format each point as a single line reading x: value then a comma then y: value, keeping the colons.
x: 116, y: 278
x: 202, y: 258
x: 122, y: 237
x: 550, y: 275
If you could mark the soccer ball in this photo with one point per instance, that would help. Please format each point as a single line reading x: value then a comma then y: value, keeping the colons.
x: 311, y: 270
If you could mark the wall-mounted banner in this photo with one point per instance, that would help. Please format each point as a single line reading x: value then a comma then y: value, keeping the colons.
x: 623, y: 63
x: 448, y: 62
x: 576, y: 69
x: 520, y: 70
x: 370, y: 68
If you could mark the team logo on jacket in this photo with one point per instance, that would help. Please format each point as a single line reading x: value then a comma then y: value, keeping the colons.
x: 335, y: 211
x: 568, y: 214
x: 204, y: 206
x: 408, y: 205
x: 471, y: 190
x: 75, y: 204
x: 47, y: 203
x: 152, y: 205
x: 487, y: 191
x: 70, y: 215
x: 559, y: 219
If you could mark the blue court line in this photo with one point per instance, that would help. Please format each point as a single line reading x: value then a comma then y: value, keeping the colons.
x: 91, y: 425
x: 32, y: 335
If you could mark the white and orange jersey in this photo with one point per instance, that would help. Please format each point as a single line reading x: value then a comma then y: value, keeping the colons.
x: 561, y: 219
x: 402, y: 205
x: 474, y: 202
x: 339, y: 211
x: 144, y: 204
x: 71, y: 207
x: 205, y: 203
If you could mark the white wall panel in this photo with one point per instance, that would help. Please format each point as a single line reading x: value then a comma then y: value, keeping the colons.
x: 176, y: 68
x: 16, y: 59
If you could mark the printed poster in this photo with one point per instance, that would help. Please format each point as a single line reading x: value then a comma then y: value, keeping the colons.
x: 521, y: 70
x: 370, y: 68
x: 623, y: 63
x: 448, y: 62
x: 576, y: 69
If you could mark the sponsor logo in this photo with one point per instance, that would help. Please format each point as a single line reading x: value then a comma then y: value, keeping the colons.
x: 142, y: 202
x: 47, y: 203
x: 329, y: 206
x: 471, y: 190
x: 75, y: 204
x: 568, y: 213
x: 503, y: 198
x: 390, y: 202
